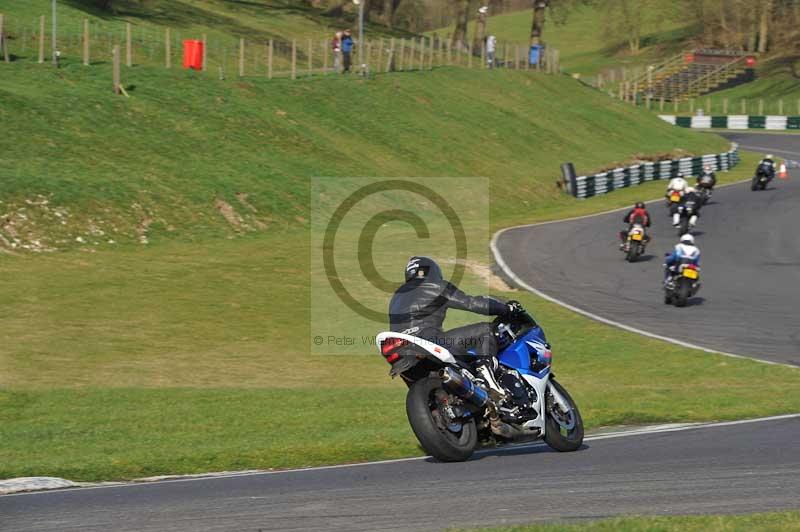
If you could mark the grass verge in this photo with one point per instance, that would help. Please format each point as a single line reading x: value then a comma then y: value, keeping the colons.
x: 191, y: 353
x: 768, y: 522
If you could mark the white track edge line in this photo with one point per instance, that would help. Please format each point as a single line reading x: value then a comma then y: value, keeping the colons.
x: 634, y: 432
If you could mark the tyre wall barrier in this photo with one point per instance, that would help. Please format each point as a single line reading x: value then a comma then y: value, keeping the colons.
x: 773, y: 122
x: 587, y: 186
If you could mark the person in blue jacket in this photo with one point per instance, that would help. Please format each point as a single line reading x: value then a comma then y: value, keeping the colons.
x: 347, y: 50
x: 683, y: 253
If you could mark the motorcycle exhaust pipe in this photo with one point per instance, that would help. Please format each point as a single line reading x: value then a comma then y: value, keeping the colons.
x: 504, y: 430
x: 460, y: 386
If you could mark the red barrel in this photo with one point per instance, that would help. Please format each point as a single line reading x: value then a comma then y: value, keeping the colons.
x: 193, y: 54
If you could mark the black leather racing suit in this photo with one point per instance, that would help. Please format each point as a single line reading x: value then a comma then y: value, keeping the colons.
x: 707, y: 180
x: 767, y: 167
x: 419, y: 307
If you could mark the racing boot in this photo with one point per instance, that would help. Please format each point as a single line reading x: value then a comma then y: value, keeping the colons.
x: 693, y: 220
x: 676, y: 219
x: 485, y: 369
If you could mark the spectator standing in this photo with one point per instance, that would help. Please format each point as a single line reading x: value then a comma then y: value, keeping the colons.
x: 336, y: 44
x: 491, y: 44
x: 347, y: 50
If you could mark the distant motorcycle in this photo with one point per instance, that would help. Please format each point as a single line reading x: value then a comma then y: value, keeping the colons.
x: 760, y: 180
x: 687, y: 215
x: 673, y: 198
x: 635, y: 243
x: 705, y: 185
x: 683, y: 283
x: 704, y: 194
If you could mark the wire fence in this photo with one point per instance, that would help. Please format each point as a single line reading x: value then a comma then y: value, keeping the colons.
x: 92, y: 43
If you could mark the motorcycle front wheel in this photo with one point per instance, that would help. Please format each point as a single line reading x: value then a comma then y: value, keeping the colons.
x: 563, y: 430
x: 445, y: 441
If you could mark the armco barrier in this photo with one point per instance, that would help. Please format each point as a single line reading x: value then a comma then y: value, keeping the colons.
x: 772, y: 122
x: 587, y: 186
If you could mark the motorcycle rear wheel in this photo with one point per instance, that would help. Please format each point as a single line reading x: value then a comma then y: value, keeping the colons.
x: 683, y: 294
x: 633, y: 249
x: 563, y: 430
x: 429, y: 425
x: 754, y: 184
x: 683, y: 227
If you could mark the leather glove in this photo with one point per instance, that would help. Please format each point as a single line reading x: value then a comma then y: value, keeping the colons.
x: 514, y: 307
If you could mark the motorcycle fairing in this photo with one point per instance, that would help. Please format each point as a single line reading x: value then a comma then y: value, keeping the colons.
x: 520, y: 356
x: 434, y: 349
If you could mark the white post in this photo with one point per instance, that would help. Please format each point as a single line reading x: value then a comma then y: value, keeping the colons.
x: 361, y: 35
x: 53, y: 37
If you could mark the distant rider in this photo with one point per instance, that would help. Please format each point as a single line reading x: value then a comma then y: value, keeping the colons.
x: 766, y: 167
x: 707, y: 179
x: 684, y: 252
x: 637, y: 215
x: 419, y: 306
x: 690, y: 199
x: 676, y: 184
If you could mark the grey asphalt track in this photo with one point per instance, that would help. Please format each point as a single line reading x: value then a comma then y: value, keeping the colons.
x: 750, y: 243
x: 720, y: 469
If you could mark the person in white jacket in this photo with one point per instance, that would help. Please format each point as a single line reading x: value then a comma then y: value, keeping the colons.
x: 677, y: 185
x: 491, y: 44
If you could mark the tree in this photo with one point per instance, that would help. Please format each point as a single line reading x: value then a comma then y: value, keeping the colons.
x: 480, y: 28
x: 763, y: 27
x: 559, y: 11
x: 388, y: 13
x: 537, y: 25
x: 459, y: 40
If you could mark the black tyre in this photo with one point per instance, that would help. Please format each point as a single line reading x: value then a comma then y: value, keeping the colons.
x: 754, y: 183
x: 683, y: 294
x: 763, y: 185
x: 683, y: 227
x: 448, y: 444
x: 563, y: 430
x: 631, y: 255
x: 667, y: 299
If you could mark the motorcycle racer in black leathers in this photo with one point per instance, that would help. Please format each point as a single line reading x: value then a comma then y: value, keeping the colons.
x: 707, y: 179
x: 706, y: 182
x: 419, y: 307
x: 766, y: 167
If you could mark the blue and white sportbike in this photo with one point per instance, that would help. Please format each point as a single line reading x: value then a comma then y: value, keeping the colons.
x: 450, y: 409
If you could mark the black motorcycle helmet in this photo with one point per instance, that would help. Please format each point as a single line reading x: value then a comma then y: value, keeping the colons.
x: 423, y: 268
x: 639, y: 205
